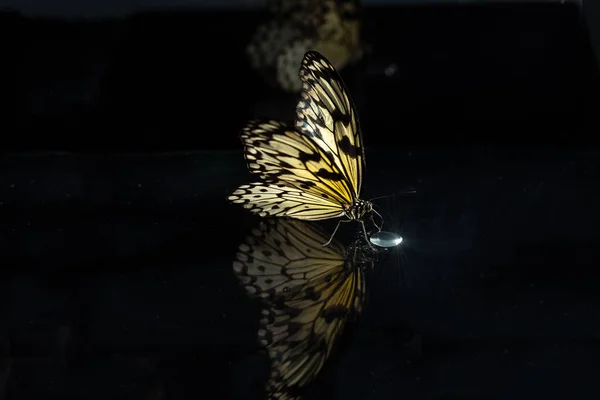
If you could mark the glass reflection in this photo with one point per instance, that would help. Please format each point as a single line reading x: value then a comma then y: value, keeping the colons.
x: 308, y: 292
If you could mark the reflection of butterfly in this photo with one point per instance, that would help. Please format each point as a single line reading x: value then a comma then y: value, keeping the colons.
x: 312, y: 172
x: 331, y: 27
x: 308, y: 292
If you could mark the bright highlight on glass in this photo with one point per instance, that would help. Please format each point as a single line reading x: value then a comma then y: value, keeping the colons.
x: 385, y: 239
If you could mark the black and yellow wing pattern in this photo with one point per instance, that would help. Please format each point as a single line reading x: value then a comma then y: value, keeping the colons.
x: 309, y: 292
x: 327, y: 114
x: 312, y: 171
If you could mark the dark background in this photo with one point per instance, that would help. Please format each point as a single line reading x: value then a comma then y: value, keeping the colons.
x: 179, y: 80
x: 121, y: 144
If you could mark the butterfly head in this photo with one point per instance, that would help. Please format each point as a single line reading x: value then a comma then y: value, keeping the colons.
x: 359, y: 209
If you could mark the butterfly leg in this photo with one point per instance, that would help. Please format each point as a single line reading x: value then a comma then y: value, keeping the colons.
x: 362, y: 223
x: 373, y: 220
x: 335, y: 230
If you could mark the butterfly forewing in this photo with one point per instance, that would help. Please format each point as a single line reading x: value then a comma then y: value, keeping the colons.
x: 327, y: 114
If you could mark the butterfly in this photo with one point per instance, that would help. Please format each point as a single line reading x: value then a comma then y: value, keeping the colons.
x: 308, y: 293
x: 312, y: 171
x: 331, y: 27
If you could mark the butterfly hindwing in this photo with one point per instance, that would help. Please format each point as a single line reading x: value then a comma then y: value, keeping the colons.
x: 280, y: 200
x: 327, y: 114
x: 277, y: 153
x: 277, y: 260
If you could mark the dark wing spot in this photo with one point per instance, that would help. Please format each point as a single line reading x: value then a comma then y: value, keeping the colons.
x: 306, y: 157
x: 311, y: 295
x: 331, y: 158
x: 334, y: 312
x: 263, y: 190
x: 333, y: 176
x: 284, y: 164
x: 307, y: 185
x: 339, y: 115
x: 349, y: 148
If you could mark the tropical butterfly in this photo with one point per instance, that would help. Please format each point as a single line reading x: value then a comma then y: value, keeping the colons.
x: 308, y: 293
x: 314, y: 170
x: 331, y: 27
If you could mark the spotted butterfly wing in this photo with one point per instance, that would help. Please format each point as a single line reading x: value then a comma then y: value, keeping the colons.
x: 331, y: 27
x: 327, y: 114
x: 309, y: 293
x: 313, y: 172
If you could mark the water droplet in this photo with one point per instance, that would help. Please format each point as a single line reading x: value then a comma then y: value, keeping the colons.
x: 385, y: 239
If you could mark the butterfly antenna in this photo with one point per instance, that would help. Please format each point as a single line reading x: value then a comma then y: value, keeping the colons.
x: 390, y: 195
x: 362, y: 223
x: 364, y: 229
x: 380, y: 197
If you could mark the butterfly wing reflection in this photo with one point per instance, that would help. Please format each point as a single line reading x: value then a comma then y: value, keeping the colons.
x: 309, y: 292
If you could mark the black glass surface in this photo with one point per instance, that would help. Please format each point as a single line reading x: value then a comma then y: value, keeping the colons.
x: 118, y: 244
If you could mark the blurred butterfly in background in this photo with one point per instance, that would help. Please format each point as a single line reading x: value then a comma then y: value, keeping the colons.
x: 331, y: 27
x: 312, y: 171
x: 308, y: 292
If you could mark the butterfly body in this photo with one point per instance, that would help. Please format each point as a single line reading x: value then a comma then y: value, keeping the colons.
x: 358, y: 210
x: 312, y: 170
